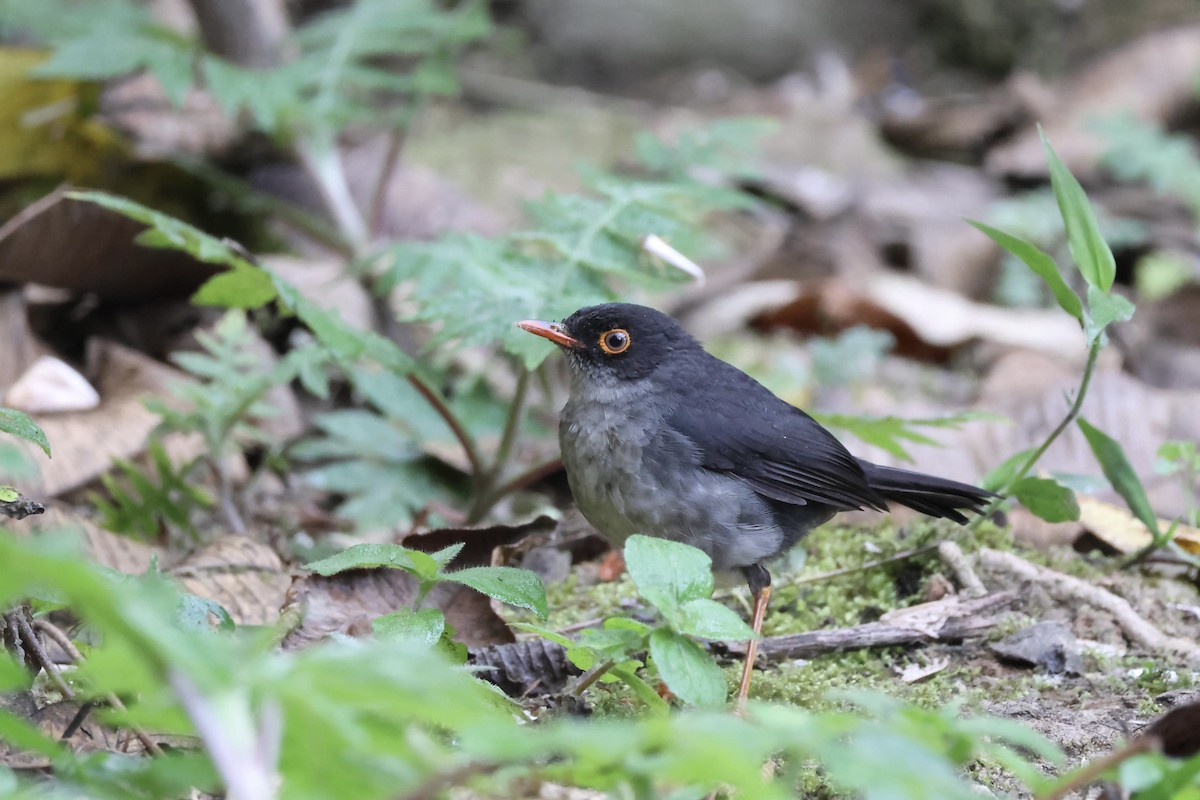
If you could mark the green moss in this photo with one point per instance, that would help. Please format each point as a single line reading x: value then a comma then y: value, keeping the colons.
x: 571, y: 603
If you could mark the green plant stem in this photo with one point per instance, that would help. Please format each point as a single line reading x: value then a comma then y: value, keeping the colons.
x: 588, y: 678
x: 322, y: 161
x: 1090, y: 773
x: 465, y: 440
x: 521, y: 481
x: 391, y: 159
x: 1072, y: 413
x: 485, y: 496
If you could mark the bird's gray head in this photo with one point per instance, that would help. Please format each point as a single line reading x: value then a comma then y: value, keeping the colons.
x: 616, y: 341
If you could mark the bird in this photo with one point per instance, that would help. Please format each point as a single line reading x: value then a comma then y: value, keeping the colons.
x: 661, y: 438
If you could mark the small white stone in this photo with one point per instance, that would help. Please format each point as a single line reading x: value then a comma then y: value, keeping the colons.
x: 51, y: 386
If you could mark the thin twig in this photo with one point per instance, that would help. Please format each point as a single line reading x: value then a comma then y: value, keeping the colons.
x: 391, y: 158
x: 434, y: 398
x: 527, y: 478
x: 64, y: 641
x: 1090, y: 773
x: 485, y: 497
x: 954, y: 558
x: 901, y: 556
x: 30, y: 637
x: 77, y: 720
x: 444, y: 780
x: 1074, y: 590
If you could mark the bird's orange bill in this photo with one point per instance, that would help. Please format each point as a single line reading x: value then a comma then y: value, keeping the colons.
x: 549, y: 330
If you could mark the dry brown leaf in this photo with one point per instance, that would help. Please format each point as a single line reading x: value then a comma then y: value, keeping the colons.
x: 247, y: 578
x: 346, y: 603
x: 20, y: 347
x: 70, y: 244
x: 104, y: 547
x: 1118, y: 528
x: 926, y: 322
x: 828, y: 307
x: 85, y: 443
x: 1152, y: 78
x: 478, y: 543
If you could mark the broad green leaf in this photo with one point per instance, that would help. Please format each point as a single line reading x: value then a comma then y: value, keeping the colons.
x: 13, y: 675
x: 19, y: 424
x: 366, y: 556
x: 1091, y: 253
x: 247, y: 287
x: 642, y: 690
x: 193, y: 612
x: 709, y: 619
x: 517, y: 587
x: 424, y: 626
x: 1047, y: 499
x: 998, y: 478
x: 9, y: 494
x: 1140, y: 773
x: 668, y: 573
x: 18, y: 732
x: 626, y: 624
x: 1105, y: 308
x: 425, y: 565
x: 689, y: 672
x: 167, y: 231
x: 1014, y: 733
x: 545, y: 633
x: 1042, y: 265
x: 1120, y: 474
x: 447, y: 554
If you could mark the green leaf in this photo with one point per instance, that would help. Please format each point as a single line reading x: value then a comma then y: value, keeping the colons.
x: 18, y: 732
x: 1120, y: 474
x: 690, y: 673
x: 9, y: 494
x: 1104, y: 309
x: 366, y: 556
x: 193, y: 612
x: 517, y: 587
x: 668, y: 573
x: 245, y: 287
x: 447, y: 554
x: 1042, y: 265
x: 13, y: 675
x: 1047, y: 499
x: 424, y: 626
x: 545, y: 633
x: 19, y: 424
x: 709, y: 619
x: 998, y: 478
x: 642, y: 690
x: 1090, y: 252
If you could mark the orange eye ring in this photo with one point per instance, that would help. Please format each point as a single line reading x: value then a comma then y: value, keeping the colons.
x: 615, y: 342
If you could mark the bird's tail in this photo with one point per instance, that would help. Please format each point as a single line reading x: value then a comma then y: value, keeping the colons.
x: 937, y: 497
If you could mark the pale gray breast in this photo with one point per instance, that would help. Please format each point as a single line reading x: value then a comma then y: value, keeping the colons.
x: 632, y: 474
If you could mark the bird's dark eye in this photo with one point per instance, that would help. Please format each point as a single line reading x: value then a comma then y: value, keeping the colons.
x: 615, y: 341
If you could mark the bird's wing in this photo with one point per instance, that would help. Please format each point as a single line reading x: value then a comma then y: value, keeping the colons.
x: 739, y: 428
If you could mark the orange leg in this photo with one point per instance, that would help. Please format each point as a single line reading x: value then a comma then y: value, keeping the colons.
x: 760, y: 611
